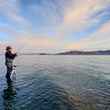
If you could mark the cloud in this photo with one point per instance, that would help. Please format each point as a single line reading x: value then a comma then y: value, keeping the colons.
x: 37, y: 42
x: 29, y: 42
x: 10, y: 10
x: 9, y: 31
x: 82, y: 15
x: 98, y: 40
x: 53, y: 25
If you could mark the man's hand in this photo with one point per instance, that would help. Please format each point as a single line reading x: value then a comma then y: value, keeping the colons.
x: 16, y: 54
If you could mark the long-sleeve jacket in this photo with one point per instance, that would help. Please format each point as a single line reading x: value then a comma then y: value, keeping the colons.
x: 9, y: 57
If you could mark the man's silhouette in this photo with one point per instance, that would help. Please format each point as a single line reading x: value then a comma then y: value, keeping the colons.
x: 9, y: 57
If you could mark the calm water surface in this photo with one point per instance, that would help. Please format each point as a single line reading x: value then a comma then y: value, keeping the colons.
x: 57, y: 83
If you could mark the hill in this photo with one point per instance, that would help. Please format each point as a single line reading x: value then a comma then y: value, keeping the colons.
x: 100, y: 52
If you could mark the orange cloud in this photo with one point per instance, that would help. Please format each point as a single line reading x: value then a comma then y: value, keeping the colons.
x: 42, y: 42
x: 75, y: 46
x: 36, y: 44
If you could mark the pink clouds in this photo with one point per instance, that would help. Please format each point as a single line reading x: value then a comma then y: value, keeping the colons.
x: 98, y: 40
x: 42, y: 42
x: 76, y: 17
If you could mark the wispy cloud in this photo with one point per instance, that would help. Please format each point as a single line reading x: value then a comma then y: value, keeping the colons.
x: 98, y: 40
x: 11, y: 12
x: 56, y: 24
x: 80, y: 15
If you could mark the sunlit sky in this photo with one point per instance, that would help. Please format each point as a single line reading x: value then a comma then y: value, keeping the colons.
x: 55, y: 25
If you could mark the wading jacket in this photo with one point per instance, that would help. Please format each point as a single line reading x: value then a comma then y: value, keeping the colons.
x: 9, y: 57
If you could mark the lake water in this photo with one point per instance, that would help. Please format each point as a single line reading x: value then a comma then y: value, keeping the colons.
x: 57, y: 83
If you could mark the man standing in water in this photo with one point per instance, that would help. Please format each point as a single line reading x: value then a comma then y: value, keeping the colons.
x: 9, y: 57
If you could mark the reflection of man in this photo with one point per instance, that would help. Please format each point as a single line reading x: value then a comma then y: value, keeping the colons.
x: 10, y: 92
x: 9, y: 57
x: 8, y: 96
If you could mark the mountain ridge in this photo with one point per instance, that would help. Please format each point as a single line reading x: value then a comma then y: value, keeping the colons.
x: 74, y: 52
x: 98, y: 52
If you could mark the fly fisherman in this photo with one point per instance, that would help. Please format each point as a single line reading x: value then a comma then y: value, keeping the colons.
x: 9, y: 58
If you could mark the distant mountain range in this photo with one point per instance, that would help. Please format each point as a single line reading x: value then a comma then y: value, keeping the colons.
x: 99, y: 52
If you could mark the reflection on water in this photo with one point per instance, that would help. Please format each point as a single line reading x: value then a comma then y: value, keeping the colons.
x: 8, y: 96
x: 43, y: 94
x: 57, y: 83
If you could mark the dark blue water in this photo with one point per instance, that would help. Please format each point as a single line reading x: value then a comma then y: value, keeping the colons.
x: 57, y: 83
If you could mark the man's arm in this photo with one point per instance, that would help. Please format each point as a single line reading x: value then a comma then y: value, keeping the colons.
x: 10, y: 55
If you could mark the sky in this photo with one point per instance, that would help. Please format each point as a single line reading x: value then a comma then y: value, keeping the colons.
x: 55, y: 25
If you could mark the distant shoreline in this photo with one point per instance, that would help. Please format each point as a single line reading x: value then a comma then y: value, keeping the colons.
x: 99, y: 52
